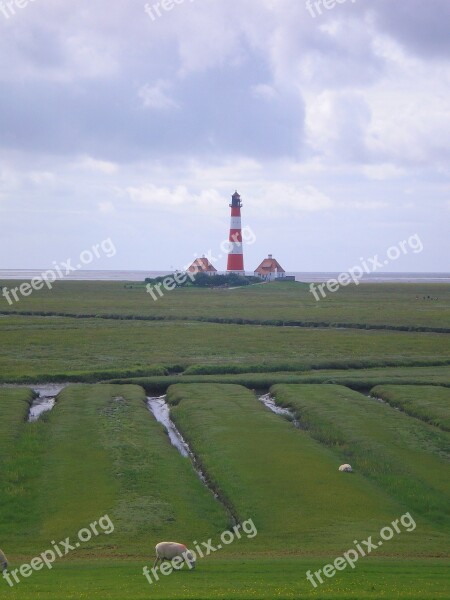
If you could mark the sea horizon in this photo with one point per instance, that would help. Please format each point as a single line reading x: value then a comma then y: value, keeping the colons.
x: 129, y: 275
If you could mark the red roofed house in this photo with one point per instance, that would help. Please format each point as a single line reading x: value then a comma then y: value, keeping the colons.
x: 270, y: 269
x: 202, y: 265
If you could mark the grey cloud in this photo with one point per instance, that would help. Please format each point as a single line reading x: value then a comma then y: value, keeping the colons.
x: 420, y: 25
x: 218, y: 113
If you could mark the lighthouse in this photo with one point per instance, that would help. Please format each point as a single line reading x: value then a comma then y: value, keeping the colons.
x: 236, y: 252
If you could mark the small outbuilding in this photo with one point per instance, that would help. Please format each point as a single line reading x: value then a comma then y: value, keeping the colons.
x: 202, y: 265
x: 270, y: 269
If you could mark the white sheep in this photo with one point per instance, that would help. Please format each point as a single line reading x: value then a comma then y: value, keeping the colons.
x: 346, y: 468
x: 170, y: 550
x: 3, y: 561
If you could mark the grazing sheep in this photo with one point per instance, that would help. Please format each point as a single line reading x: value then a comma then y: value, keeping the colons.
x: 346, y: 468
x: 170, y: 550
x: 3, y: 562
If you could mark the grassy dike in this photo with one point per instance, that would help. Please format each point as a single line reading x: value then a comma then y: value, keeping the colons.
x: 21, y: 446
x: 63, y: 347
x: 14, y: 408
x: 403, y: 456
x: 101, y: 452
x: 430, y: 404
x: 280, y: 477
x: 358, y: 379
x: 386, y: 304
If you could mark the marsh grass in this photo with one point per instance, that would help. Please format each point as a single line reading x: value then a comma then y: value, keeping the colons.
x: 381, y: 304
x: 405, y: 457
x: 358, y: 379
x: 100, y: 451
x: 63, y: 349
x: 430, y: 404
x: 219, y: 578
x: 343, y: 364
x: 284, y: 479
x: 21, y: 449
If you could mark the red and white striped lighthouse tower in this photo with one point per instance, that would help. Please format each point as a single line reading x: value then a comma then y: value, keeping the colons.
x: 236, y: 251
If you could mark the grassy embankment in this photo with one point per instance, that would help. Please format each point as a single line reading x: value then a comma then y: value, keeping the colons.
x: 14, y: 407
x: 431, y: 404
x: 95, y: 454
x: 21, y: 444
x: 358, y: 379
x: 56, y: 348
x: 288, y: 482
x: 403, y: 456
x: 100, y: 451
x: 369, y: 304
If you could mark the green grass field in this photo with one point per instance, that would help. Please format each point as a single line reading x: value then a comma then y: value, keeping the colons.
x: 359, y: 379
x: 102, y: 436
x: 240, y: 579
x: 57, y: 346
x: 376, y: 304
x: 431, y: 404
x: 100, y: 451
x: 261, y: 465
x: 15, y: 404
x: 405, y: 457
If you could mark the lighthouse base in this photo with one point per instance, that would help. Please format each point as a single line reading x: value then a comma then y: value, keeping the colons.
x: 236, y: 273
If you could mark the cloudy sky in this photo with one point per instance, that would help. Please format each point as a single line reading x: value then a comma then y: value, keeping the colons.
x: 119, y: 123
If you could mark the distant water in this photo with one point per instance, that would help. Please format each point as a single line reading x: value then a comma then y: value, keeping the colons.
x: 381, y: 277
x: 27, y: 274
x: 84, y: 275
